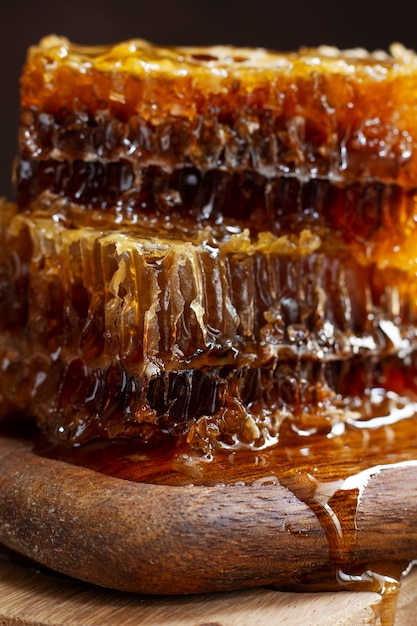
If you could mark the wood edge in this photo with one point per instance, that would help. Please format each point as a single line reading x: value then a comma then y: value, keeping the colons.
x: 160, y: 539
x: 152, y: 538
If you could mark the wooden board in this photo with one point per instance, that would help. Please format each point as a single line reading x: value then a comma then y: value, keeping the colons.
x: 160, y: 539
x: 30, y: 598
x: 39, y: 598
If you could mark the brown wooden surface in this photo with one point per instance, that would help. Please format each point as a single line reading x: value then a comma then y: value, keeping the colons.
x: 99, y: 532
x: 163, y: 539
x: 28, y: 598
x: 152, y: 538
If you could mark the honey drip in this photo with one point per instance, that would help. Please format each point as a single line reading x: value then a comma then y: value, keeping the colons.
x: 332, y: 475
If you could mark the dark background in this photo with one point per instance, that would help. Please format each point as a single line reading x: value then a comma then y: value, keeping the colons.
x: 268, y: 23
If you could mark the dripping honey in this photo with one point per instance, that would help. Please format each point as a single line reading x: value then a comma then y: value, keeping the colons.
x: 357, y: 447
x: 329, y: 473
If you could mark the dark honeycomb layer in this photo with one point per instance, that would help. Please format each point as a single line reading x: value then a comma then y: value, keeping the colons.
x: 117, y: 193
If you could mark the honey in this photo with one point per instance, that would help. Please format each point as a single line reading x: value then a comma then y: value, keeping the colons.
x: 363, y: 215
x: 353, y: 481
x: 211, y: 251
x: 209, y: 278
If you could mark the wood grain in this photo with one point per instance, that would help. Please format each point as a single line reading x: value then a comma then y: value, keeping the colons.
x: 157, y: 539
x: 152, y: 538
x: 28, y: 598
x: 86, y: 525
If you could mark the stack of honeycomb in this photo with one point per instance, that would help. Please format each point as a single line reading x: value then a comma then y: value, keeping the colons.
x: 210, y: 245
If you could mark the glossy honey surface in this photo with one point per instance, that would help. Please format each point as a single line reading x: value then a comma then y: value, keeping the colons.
x: 316, y: 113
x: 210, y: 275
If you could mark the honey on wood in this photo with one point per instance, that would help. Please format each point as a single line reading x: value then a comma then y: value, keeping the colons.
x: 209, y: 277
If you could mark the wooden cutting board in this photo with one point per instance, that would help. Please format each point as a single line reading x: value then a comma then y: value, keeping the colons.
x: 154, y: 539
x: 33, y: 598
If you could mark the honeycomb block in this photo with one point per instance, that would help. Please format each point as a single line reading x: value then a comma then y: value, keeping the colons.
x: 120, y: 333
x: 317, y: 112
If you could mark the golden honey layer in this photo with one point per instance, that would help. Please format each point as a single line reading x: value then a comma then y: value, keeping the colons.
x: 322, y: 113
x: 110, y: 333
